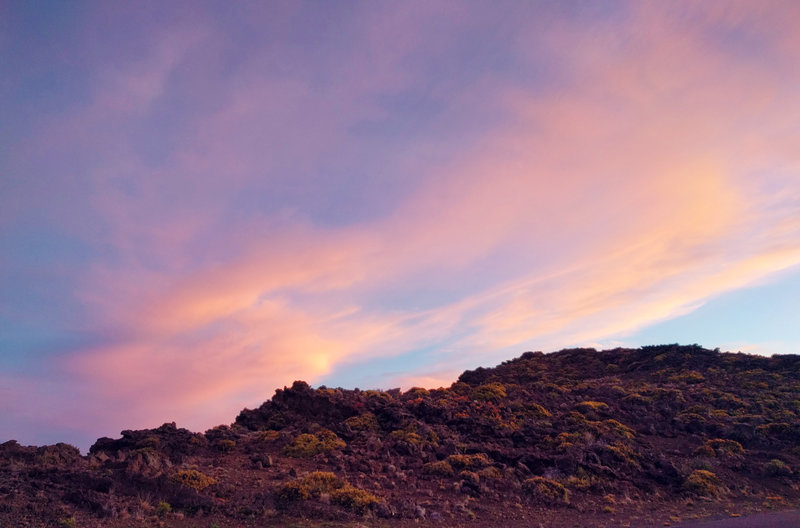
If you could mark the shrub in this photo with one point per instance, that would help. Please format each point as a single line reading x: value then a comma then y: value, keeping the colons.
x: 618, y: 429
x: 354, y: 499
x: 268, y: 436
x: 616, y: 453
x: 318, y: 482
x: 441, y: 468
x: 307, y: 445
x: 415, y: 392
x: 226, y: 446
x: 191, y: 478
x: 537, y: 411
x: 702, y: 482
x: 470, y: 477
x: 378, y: 395
x: 724, y: 447
x: 490, y: 472
x: 310, y: 486
x: 592, y: 406
x: 476, y: 461
x: 410, y: 435
x: 163, y: 508
x: 69, y: 522
x: 546, y: 490
x: 774, y: 501
x: 363, y: 422
x: 490, y: 392
x: 777, y: 468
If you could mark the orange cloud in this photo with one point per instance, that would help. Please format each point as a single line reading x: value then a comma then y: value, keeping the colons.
x: 624, y: 198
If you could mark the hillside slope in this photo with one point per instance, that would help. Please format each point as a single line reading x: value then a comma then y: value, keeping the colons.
x: 618, y: 435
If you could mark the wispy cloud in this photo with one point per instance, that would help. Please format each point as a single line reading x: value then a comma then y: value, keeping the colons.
x: 253, y: 220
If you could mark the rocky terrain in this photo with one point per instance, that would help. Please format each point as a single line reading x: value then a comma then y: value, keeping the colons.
x: 624, y: 437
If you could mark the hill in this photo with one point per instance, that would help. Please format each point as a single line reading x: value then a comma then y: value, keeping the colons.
x: 648, y: 436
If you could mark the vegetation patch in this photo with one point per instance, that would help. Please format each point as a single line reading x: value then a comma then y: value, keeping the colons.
x: 476, y: 461
x: 777, y: 468
x: 441, y: 468
x: 307, y: 445
x: 363, y: 422
x: 703, y: 482
x: 546, y: 490
x: 317, y: 483
x: 191, y: 478
x: 490, y: 392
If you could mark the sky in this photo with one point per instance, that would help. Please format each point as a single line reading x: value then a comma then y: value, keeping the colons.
x: 201, y: 202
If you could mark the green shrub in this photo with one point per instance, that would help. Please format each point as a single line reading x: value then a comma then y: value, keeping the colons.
x: 415, y: 392
x: 489, y: 392
x: 546, y: 490
x: 592, y: 407
x: 618, y: 429
x: 476, y: 461
x: 316, y: 483
x: 378, y: 395
x: 309, y: 486
x: 537, y: 411
x: 410, y: 435
x: 267, y: 436
x: 163, y: 508
x: 307, y: 445
x: 69, y: 522
x: 441, y: 468
x: 354, y: 499
x: 703, y: 482
x: 191, y: 478
x: 470, y: 477
x: 490, y: 472
x: 777, y: 468
x: 363, y: 422
x: 723, y: 447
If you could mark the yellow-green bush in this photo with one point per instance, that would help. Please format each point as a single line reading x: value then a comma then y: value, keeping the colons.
x: 441, y: 468
x: 378, y: 395
x: 268, y: 436
x: 592, y: 406
x: 307, y: 445
x: 777, y: 468
x: 618, y: 429
x: 191, y: 478
x: 163, y: 508
x: 314, y: 484
x: 363, y: 422
x: 703, y: 482
x: 410, y: 435
x: 618, y: 453
x: 546, y: 490
x: 720, y: 447
x: 489, y: 392
x: 416, y: 392
x: 476, y: 461
x: 354, y: 499
x: 490, y: 472
x: 310, y: 486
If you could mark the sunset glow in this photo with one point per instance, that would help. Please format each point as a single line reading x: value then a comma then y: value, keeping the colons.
x: 203, y: 202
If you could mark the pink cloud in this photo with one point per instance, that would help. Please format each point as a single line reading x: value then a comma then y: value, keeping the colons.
x: 624, y: 198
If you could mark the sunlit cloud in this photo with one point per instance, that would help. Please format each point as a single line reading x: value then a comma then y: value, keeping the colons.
x: 254, y: 217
